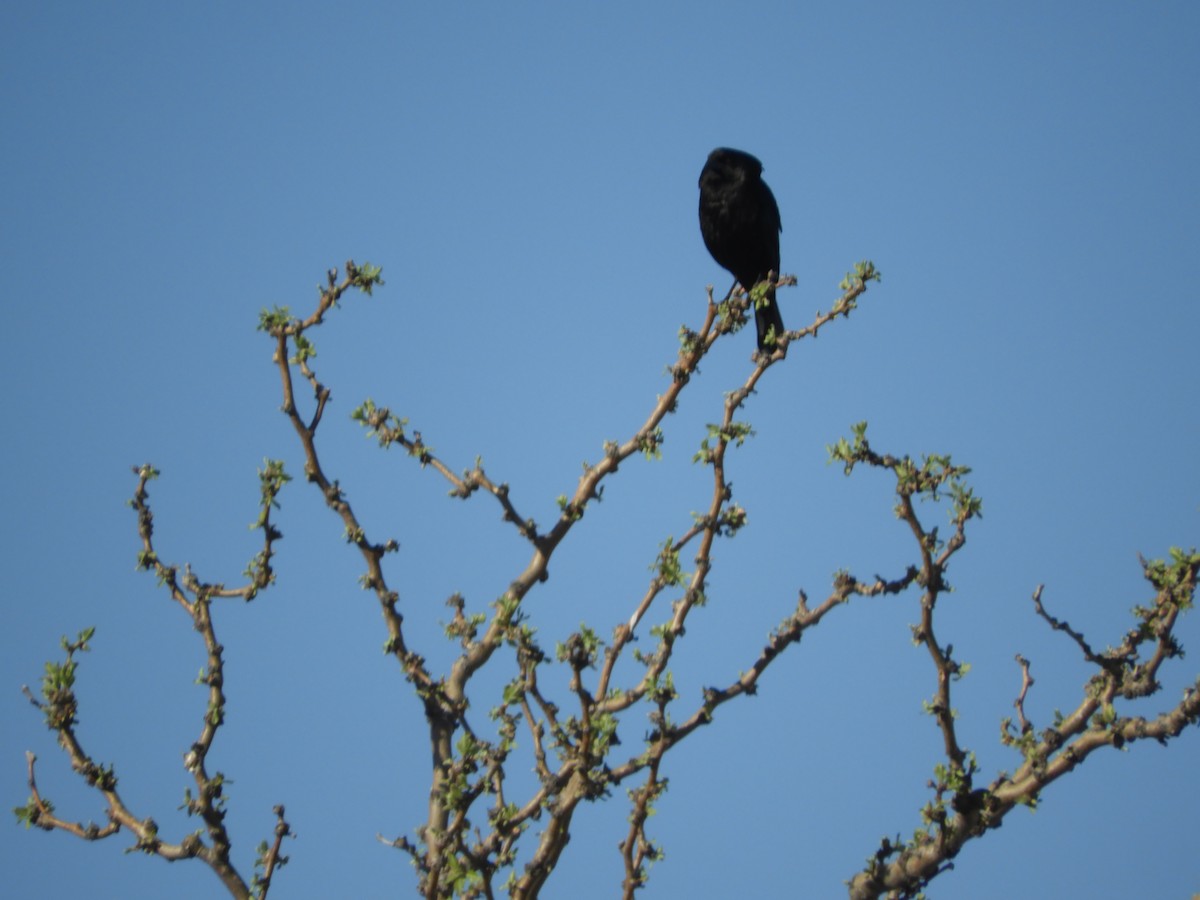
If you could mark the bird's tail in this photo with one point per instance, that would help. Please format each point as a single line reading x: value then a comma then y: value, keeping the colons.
x: 768, y: 321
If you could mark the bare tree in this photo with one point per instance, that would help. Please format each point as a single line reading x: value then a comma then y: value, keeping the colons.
x: 562, y: 707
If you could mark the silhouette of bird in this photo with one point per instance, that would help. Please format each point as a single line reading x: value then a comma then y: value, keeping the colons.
x: 739, y: 221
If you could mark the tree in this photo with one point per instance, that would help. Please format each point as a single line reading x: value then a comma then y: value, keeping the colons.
x: 559, y: 710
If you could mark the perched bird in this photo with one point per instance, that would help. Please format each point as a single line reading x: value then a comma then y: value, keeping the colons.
x: 739, y: 221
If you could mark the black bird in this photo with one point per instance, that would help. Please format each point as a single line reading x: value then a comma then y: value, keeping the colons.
x: 739, y: 221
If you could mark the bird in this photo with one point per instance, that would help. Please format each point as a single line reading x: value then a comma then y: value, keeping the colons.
x: 740, y: 224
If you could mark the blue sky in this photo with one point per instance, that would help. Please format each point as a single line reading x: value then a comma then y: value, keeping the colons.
x: 1024, y: 177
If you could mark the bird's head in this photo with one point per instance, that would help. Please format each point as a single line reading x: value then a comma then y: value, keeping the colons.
x: 728, y: 164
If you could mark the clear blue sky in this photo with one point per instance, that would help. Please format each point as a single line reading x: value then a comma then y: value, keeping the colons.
x: 1024, y: 177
